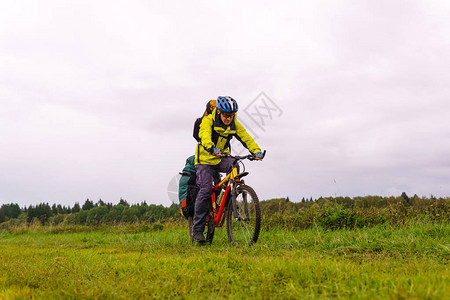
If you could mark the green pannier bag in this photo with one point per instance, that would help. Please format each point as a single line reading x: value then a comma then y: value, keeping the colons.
x: 188, y: 189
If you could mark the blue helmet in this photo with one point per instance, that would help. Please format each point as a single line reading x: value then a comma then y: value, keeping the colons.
x: 227, y: 104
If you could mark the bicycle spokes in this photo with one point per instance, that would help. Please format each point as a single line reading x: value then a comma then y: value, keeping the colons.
x: 245, y: 204
x: 243, y: 224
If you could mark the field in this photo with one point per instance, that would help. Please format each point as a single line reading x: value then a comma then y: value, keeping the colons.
x: 132, y: 262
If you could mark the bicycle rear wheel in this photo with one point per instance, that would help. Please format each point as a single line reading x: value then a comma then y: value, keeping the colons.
x: 190, y: 223
x: 211, y: 226
x: 244, y: 228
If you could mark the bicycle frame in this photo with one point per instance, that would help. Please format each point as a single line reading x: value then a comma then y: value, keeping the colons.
x: 219, y: 213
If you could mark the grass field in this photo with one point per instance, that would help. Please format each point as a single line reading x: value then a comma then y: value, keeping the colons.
x: 123, y: 263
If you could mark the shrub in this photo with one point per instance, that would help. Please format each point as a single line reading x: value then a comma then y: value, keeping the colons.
x: 336, y: 217
x: 56, y: 219
x: 96, y: 214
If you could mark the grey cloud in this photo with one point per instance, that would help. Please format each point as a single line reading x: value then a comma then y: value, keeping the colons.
x: 99, y: 98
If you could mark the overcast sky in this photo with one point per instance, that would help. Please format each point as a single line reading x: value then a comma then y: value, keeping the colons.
x: 98, y: 98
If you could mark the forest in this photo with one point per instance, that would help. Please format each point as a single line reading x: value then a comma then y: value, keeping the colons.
x: 327, y: 212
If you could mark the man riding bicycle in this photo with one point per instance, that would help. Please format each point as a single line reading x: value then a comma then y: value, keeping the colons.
x: 216, y: 131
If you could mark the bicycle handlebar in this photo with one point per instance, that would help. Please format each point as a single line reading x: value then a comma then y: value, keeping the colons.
x: 237, y: 157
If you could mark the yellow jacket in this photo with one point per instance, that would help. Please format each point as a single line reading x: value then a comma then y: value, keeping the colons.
x: 213, y: 135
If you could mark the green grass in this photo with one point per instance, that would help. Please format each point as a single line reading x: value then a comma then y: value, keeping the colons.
x: 372, y: 263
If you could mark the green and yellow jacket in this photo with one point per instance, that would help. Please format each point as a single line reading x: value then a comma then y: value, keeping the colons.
x: 213, y: 134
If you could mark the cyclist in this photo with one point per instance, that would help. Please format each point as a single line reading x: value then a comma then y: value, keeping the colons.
x: 216, y: 131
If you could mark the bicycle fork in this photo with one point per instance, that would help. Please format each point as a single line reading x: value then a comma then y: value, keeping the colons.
x: 233, y: 201
x: 236, y: 215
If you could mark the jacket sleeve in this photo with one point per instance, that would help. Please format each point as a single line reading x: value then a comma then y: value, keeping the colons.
x: 246, y: 139
x: 205, y: 132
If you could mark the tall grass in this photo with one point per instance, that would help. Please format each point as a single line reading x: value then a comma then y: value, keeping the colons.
x: 123, y: 262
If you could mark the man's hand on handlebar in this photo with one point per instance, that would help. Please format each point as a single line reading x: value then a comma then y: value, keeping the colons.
x: 216, y: 152
x: 258, y: 155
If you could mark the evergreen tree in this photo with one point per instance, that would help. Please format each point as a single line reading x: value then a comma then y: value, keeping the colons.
x: 100, y: 203
x: 406, y: 198
x: 76, y: 208
x: 87, y: 205
x: 42, y: 212
x: 11, y: 211
x: 123, y: 202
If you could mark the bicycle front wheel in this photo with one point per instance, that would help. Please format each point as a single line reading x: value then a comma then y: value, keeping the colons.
x: 244, y: 227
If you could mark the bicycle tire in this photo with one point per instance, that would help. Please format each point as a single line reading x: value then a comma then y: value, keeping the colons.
x: 190, y: 223
x: 210, y: 229
x: 245, y: 229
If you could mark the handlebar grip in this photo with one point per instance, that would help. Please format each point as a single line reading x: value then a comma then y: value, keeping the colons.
x: 263, y: 155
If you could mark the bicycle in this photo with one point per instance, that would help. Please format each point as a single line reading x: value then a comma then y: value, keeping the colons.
x: 237, y: 203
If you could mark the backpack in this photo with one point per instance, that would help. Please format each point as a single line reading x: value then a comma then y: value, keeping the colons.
x: 197, y: 129
x: 188, y: 189
x: 209, y: 109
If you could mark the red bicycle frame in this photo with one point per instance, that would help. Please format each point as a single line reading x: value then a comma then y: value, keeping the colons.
x: 218, y: 211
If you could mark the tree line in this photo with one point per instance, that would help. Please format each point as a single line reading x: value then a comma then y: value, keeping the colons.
x: 89, y: 213
x: 357, y: 210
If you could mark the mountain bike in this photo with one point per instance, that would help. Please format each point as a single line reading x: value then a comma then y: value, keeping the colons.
x: 233, y: 200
